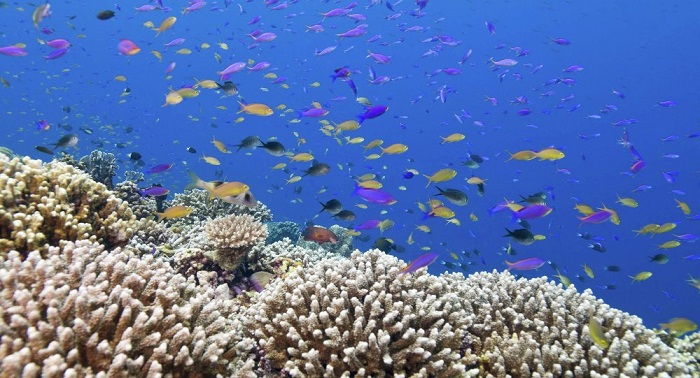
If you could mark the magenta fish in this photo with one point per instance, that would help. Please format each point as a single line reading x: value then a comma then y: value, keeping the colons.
x: 13, y: 51
x: 58, y: 43
x: 526, y: 264
x: 313, y: 113
x: 420, y: 262
x: 374, y: 195
x: 596, y: 218
x: 367, y: 225
x: 154, y: 191
x: 532, y: 212
x: 158, y: 169
x: 379, y: 58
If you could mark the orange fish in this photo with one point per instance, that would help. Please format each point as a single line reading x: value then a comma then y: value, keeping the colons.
x: 319, y: 235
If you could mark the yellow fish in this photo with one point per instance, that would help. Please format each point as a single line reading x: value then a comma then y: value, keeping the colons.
x: 525, y: 155
x: 629, y: 202
x: 597, y: 333
x: 157, y: 54
x: 584, y: 209
x: 172, y: 98
x: 220, y: 146
x: 641, y: 276
x: 588, y: 270
x: 228, y: 189
x: 211, y: 160
x: 683, y: 206
x: 302, y: 156
x: 166, y: 24
x: 279, y: 166
x: 174, y: 212
x: 355, y: 140
x: 315, y: 84
x: 395, y: 149
x: 678, y: 327
x: 370, y: 184
x: 456, y: 137
x: 184, y: 51
x: 255, y: 109
x: 669, y: 244
x: 207, y: 84
x: 550, y: 154
x: 372, y: 157
x: 373, y: 144
x: 293, y: 179
x: 442, y: 175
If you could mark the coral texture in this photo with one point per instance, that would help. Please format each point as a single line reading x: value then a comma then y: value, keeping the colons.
x: 359, y: 317
x: 101, y: 166
x: 280, y: 230
x: 82, y: 311
x: 53, y: 203
x: 356, y: 317
x: 233, y: 237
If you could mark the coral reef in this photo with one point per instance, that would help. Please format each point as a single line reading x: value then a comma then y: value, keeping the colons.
x: 81, y: 310
x: 142, y: 207
x: 342, y: 248
x: 359, y: 317
x: 53, y: 203
x: 347, y: 317
x: 203, y: 208
x: 689, y: 346
x: 233, y: 237
x: 280, y: 230
x: 101, y: 166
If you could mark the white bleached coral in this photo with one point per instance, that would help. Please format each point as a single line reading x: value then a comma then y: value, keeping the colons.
x: 355, y: 316
x: 83, y: 311
x: 233, y: 237
x: 358, y: 317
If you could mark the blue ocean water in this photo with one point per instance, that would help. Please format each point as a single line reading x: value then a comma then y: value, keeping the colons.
x: 643, y: 53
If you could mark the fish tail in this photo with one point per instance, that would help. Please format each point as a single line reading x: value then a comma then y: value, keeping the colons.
x: 195, y: 181
x: 510, y: 265
x: 159, y: 216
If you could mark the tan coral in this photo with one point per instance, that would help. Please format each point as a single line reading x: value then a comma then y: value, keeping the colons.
x: 82, y: 311
x: 232, y: 237
x: 47, y: 204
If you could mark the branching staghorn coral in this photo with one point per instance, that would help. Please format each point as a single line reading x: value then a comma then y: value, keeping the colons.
x: 81, y: 310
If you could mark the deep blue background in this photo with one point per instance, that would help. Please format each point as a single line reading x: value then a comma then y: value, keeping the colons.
x: 647, y: 51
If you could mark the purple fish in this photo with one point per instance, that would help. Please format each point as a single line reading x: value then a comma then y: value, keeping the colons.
x: 666, y: 104
x: 373, y: 112
x: 158, y: 169
x: 154, y: 191
x: 561, y: 41
x: 55, y: 54
x: 175, y: 42
x: 526, y: 264
x: 58, y: 43
x: 194, y: 6
x: 490, y: 27
x: 638, y: 165
x: 379, y: 58
x: 313, y: 113
x: 259, y: 66
x: 532, y: 212
x: 690, y: 238
x: 524, y: 112
x: 13, y: 51
x: 596, y: 218
x: 420, y: 262
x: 374, y: 195
x: 573, y: 68
x: 367, y: 225
x: 452, y: 71
x: 353, y: 33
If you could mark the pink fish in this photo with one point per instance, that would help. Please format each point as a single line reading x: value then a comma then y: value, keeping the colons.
x: 127, y: 47
x: 532, y: 263
x: 379, y: 58
x: 58, y: 43
x: 13, y: 51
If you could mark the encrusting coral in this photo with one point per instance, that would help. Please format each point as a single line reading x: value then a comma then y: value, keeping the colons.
x: 360, y: 317
x: 233, y: 237
x: 81, y: 310
x: 47, y: 204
